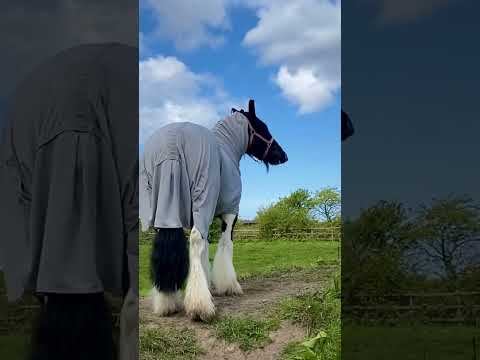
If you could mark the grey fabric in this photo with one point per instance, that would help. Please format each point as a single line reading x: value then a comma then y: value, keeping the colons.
x: 69, y: 173
x: 188, y: 174
x: 180, y: 172
x: 232, y: 139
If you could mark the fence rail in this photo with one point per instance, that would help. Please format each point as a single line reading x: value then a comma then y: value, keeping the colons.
x: 331, y: 233
x: 445, y: 307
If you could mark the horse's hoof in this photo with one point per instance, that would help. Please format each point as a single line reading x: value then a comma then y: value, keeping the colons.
x: 165, y: 304
x: 200, y: 310
x: 200, y: 315
x: 228, y: 290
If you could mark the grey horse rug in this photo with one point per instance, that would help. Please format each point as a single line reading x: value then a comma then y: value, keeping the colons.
x: 69, y: 174
x: 189, y: 174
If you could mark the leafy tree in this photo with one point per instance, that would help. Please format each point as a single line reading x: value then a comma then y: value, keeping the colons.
x: 299, y: 200
x: 326, y: 204
x: 446, y: 233
x: 373, y: 248
x: 469, y: 278
x: 288, y: 213
x: 382, y: 227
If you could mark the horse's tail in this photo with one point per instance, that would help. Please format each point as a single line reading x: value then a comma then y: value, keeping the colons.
x: 169, y: 261
x: 73, y: 326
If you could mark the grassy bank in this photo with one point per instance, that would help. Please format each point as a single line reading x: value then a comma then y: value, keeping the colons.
x: 320, y: 314
x: 454, y: 342
x: 259, y: 257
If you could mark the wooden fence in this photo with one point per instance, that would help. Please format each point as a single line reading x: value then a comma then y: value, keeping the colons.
x: 330, y: 233
x: 449, y: 307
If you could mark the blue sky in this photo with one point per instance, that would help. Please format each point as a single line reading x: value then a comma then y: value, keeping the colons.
x: 236, y: 52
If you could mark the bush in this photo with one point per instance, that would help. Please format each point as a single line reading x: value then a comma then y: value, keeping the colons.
x: 215, y: 230
x: 288, y: 213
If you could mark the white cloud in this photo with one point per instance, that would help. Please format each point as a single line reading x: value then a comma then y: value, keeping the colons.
x: 191, y: 24
x: 405, y: 11
x: 171, y: 92
x: 303, y: 39
x: 304, y: 88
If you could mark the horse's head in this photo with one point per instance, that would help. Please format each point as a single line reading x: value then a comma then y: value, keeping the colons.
x: 261, y: 144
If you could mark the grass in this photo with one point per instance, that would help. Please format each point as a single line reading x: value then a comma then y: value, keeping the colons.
x: 171, y: 344
x: 259, y: 257
x: 320, y: 315
x: 14, y: 337
x: 426, y: 342
x: 254, y: 258
x: 14, y: 347
x: 248, y: 333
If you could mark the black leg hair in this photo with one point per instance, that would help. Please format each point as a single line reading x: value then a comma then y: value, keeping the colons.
x: 224, y: 226
x: 233, y: 227
x: 74, y: 327
x: 169, y: 260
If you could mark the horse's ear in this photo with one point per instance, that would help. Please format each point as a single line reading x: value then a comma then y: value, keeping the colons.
x: 251, y: 107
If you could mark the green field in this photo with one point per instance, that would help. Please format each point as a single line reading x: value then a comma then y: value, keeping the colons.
x: 13, y: 344
x: 410, y: 342
x: 13, y: 347
x: 259, y: 257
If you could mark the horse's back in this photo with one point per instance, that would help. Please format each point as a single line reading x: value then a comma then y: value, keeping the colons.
x: 182, y: 160
x: 182, y: 141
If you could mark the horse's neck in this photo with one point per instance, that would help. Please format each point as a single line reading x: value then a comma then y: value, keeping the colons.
x: 232, y: 137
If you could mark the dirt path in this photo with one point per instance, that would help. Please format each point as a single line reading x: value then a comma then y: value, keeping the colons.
x: 260, y: 294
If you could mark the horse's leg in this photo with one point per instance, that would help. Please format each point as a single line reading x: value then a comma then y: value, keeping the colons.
x: 169, y: 269
x: 198, y: 300
x: 166, y: 303
x: 206, y: 263
x: 223, y: 274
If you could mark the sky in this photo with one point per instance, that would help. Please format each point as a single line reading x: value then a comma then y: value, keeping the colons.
x: 410, y: 84
x: 198, y: 59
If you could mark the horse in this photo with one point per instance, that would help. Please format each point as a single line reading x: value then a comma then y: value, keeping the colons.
x: 188, y: 176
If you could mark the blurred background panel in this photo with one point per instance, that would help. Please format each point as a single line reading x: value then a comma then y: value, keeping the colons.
x: 31, y: 34
x: 410, y: 204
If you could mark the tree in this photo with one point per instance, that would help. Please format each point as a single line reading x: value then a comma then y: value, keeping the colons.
x: 290, y: 212
x: 446, y: 233
x: 299, y: 200
x: 326, y: 204
x: 373, y: 247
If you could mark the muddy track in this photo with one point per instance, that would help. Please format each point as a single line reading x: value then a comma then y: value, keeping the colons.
x: 260, y: 295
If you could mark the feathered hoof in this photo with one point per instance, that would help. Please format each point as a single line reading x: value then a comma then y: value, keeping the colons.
x: 199, y: 309
x: 231, y: 289
x: 165, y: 304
